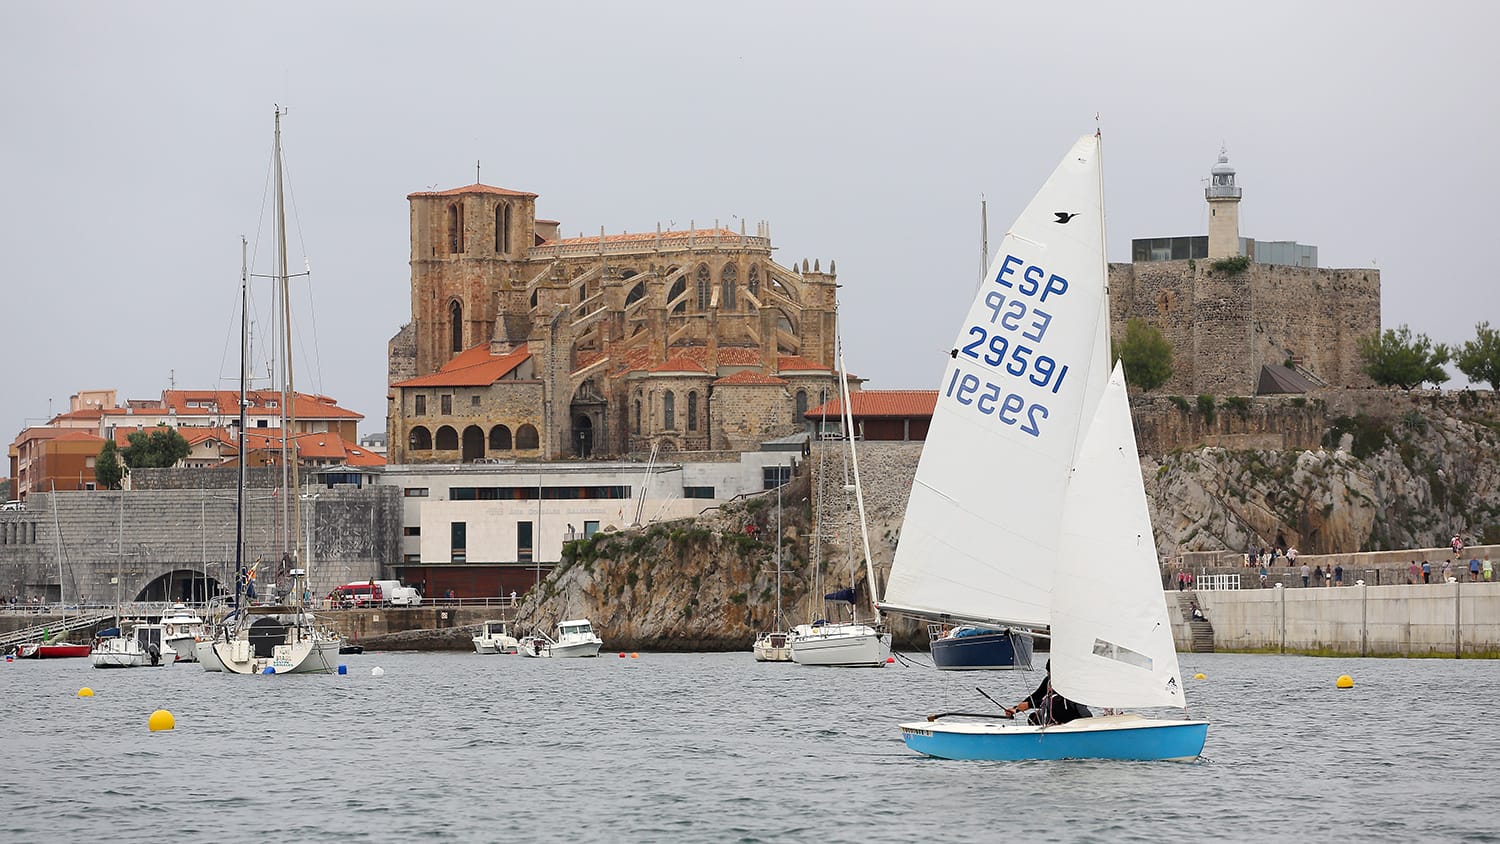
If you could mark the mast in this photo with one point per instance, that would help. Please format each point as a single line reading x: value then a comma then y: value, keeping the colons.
x: 780, y: 622
x: 291, y: 513
x: 984, y: 239
x: 239, y: 487
x: 859, y: 493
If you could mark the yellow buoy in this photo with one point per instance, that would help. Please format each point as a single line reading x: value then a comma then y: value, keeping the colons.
x: 1199, y: 676
x: 1345, y: 682
x: 160, y: 720
x: 85, y: 692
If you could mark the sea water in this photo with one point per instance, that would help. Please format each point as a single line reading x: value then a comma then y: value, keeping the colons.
x: 717, y: 747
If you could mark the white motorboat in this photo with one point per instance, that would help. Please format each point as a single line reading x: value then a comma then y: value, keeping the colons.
x: 576, y: 637
x: 142, y: 647
x: 494, y: 638
x: 537, y: 645
x: 181, y: 628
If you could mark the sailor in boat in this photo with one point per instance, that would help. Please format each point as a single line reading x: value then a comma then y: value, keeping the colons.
x: 1047, y: 706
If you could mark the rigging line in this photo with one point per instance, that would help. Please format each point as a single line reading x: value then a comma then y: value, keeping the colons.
x: 317, y: 367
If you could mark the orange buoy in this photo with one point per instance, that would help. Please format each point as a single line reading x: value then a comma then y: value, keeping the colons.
x: 635, y: 655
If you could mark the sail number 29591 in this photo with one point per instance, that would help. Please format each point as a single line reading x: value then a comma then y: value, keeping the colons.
x: 986, y: 396
x: 992, y: 349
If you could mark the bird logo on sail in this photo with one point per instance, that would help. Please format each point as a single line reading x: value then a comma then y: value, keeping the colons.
x: 1063, y: 217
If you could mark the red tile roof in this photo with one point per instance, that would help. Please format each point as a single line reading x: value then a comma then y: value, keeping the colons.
x: 866, y: 403
x: 474, y: 367
x: 474, y: 188
x: 749, y: 377
x: 738, y: 356
x: 797, y: 363
x: 679, y: 363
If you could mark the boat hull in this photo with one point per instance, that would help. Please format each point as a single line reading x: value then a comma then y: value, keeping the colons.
x: 60, y: 650
x: 854, y: 646
x: 186, y: 648
x: 1127, y: 737
x: 772, y: 647
x: 307, y: 656
x: 576, y: 649
x: 984, y: 651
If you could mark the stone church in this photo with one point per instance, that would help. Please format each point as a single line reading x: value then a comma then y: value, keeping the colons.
x: 526, y: 344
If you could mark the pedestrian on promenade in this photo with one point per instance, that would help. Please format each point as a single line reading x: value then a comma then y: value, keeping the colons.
x: 1291, y: 556
x: 1414, y: 573
x: 1318, y: 574
x: 1305, y: 573
x: 1338, y: 575
x: 1473, y: 569
x: 1457, y: 544
x: 1447, y: 570
x: 1426, y: 571
x: 1262, y: 575
x: 1485, y: 567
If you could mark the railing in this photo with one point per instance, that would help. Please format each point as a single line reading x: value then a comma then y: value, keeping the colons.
x: 1216, y: 581
x: 37, y: 631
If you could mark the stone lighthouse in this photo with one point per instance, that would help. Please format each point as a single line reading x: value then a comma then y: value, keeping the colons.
x: 1223, y: 210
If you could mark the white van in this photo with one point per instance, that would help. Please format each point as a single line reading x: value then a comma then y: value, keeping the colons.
x: 405, y: 596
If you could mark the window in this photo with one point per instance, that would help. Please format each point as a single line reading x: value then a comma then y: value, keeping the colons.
x: 411, y: 531
x: 502, y: 227
x: 679, y: 287
x: 635, y: 425
x: 411, y: 558
x: 697, y: 492
x: 447, y: 439
x: 753, y: 284
x: 801, y: 412
x: 419, y: 405
x: 455, y: 228
x: 415, y: 492
x: 526, y: 438
x: 446, y: 400
x: 499, y: 438
x: 458, y: 540
x: 727, y: 278
x: 692, y: 411
x: 455, y: 326
x: 523, y: 542
x: 704, y: 283
x: 669, y: 411
x: 420, y: 439
x: 474, y: 400
x: 775, y: 476
x: 636, y: 293
x: 590, y: 528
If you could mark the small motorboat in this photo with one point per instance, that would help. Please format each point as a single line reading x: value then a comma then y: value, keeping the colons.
x: 52, y: 650
x: 494, y: 638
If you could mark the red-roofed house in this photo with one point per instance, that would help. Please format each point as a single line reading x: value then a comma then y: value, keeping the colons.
x: 526, y: 344
x: 881, y: 414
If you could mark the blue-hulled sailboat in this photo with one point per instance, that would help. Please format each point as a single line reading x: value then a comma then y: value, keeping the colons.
x: 1028, y: 509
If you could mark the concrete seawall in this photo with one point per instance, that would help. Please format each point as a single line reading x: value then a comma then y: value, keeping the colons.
x: 1426, y: 620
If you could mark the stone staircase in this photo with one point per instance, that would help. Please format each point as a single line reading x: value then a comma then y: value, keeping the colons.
x: 1203, y: 631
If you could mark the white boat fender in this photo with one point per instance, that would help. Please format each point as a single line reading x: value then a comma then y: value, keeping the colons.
x: 377, y: 671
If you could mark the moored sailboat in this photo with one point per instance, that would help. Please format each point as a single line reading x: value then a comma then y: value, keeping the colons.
x: 772, y: 645
x: 1028, y: 508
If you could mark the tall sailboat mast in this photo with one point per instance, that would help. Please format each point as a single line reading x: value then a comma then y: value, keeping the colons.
x: 859, y: 492
x: 239, y: 487
x: 291, y: 513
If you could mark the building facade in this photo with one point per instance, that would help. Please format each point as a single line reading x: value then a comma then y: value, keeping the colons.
x: 525, y: 344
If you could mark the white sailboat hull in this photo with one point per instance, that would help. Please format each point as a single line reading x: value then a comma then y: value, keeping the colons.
x: 841, y: 645
x: 207, y: 657
x: 772, y: 647
x: 305, y: 656
x: 186, y: 648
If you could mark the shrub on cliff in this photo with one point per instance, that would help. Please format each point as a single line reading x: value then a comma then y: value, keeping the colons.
x: 1480, y: 358
x: 1397, y: 359
x: 1145, y: 355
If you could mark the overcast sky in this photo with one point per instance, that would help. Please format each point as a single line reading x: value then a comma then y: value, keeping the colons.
x: 137, y: 144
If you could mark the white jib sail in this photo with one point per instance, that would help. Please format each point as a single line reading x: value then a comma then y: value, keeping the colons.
x: 980, y: 538
x: 1111, y: 638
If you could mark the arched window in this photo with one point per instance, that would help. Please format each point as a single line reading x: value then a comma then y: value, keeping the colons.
x: 526, y: 438
x: 727, y: 278
x: 692, y: 411
x: 533, y: 300
x: 679, y: 287
x: 420, y: 439
x: 502, y: 228
x: 636, y: 293
x: 668, y: 411
x: 499, y: 438
x: 705, y: 282
x: 455, y: 228
x: 801, y: 407
x: 447, y: 439
x: 753, y: 284
x: 635, y: 424
x: 455, y: 326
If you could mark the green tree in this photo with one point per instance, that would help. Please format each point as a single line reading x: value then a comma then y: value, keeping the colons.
x: 107, y: 469
x: 1480, y: 358
x: 161, y: 448
x: 1145, y: 355
x: 1397, y: 359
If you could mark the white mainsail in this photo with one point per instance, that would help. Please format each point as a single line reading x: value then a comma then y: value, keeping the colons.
x: 1111, y: 637
x: 980, y: 539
